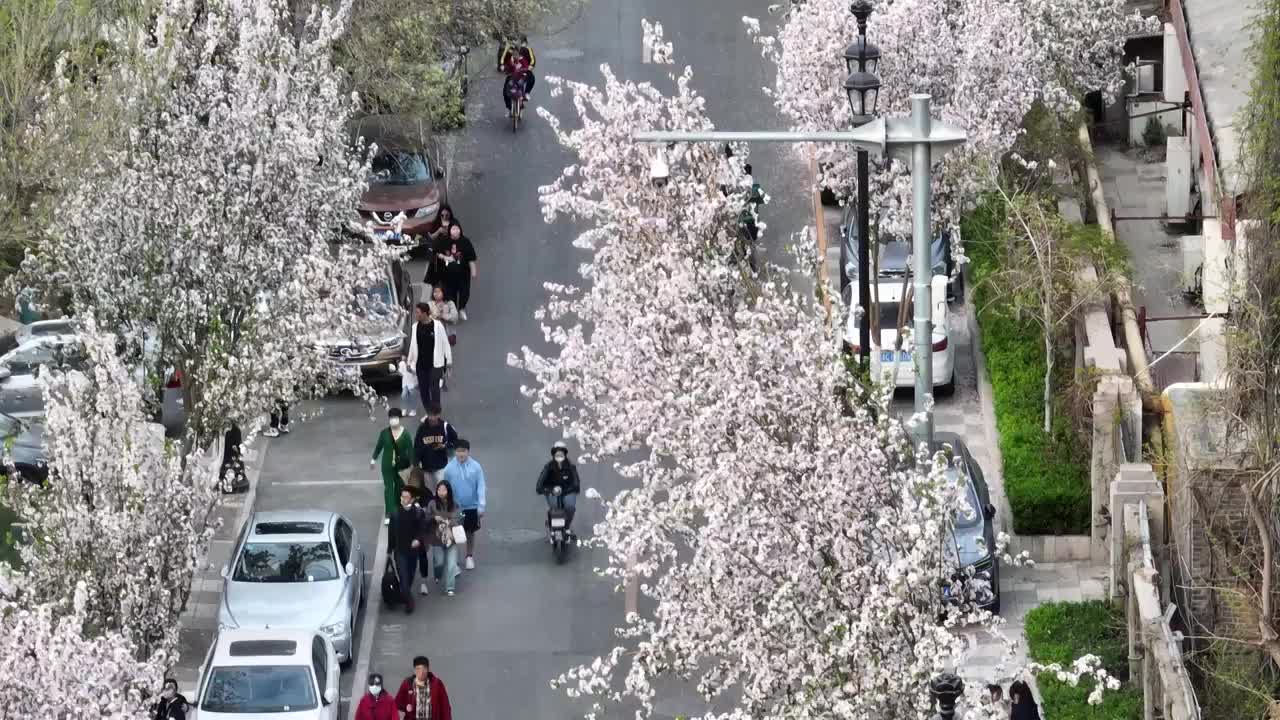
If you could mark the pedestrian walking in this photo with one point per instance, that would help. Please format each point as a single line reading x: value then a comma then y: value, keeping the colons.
x: 1022, y: 706
x: 279, y: 420
x: 232, y: 473
x: 467, y: 479
x: 409, y: 398
x: 422, y: 695
x: 429, y: 354
x: 436, y: 261
x: 377, y: 704
x: 995, y: 698
x: 445, y: 517
x: 446, y: 312
x: 408, y: 528
x: 396, y: 450
x: 435, y: 439
x: 458, y: 257
x: 172, y: 704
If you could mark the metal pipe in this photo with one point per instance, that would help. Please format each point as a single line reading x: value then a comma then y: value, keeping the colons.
x: 864, y: 262
x: 922, y: 223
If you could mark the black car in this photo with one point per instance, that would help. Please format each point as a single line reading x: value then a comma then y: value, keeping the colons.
x: 24, y: 448
x: 891, y: 263
x: 975, y: 536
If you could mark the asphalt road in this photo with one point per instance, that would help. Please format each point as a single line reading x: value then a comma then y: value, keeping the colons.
x: 519, y: 620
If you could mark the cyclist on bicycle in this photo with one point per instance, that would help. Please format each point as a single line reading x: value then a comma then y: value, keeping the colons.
x: 516, y: 60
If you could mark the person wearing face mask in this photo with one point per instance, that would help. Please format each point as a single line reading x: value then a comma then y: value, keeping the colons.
x: 377, y: 704
x: 395, y: 445
x: 172, y: 704
x: 560, y: 472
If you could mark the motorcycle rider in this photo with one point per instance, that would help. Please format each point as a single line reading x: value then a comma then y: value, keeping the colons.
x: 560, y: 472
x: 516, y: 59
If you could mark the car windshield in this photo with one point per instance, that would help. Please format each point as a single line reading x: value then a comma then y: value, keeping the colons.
x: 259, y: 689
x: 378, y: 300
x: 50, y: 328
x: 25, y: 359
x: 286, y: 562
x: 399, y: 167
x: 970, y: 516
x: 889, y: 316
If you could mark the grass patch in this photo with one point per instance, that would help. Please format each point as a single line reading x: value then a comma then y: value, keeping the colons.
x: 1060, y: 632
x: 1046, y: 476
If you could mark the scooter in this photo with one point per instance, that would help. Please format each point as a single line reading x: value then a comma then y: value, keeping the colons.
x: 557, y: 526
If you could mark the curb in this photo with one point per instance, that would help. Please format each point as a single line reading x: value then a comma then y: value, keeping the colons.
x: 985, y: 394
x: 369, y: 623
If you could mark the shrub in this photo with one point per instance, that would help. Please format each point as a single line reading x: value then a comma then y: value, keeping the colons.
x: 1153, y: 134
x: 1063, y: 631
x: 1046, y: 477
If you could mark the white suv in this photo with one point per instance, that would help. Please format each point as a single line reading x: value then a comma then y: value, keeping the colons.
x: 277, y: 674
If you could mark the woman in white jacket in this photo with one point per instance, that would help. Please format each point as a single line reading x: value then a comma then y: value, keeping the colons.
x: 429, y: 354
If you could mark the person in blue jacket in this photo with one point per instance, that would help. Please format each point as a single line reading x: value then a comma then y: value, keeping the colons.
x: 467, y: 478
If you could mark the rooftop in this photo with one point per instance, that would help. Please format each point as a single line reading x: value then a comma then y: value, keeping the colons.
x: 1221, y: 32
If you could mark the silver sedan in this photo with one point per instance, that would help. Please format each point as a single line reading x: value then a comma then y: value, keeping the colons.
x: 302, y: 570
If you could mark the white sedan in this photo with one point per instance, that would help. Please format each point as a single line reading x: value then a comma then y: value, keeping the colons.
x: 260, y: 674
x: 883, y: 358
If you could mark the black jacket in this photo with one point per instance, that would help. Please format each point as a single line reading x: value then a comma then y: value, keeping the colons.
x: 175, y: 708
x: 409, y: 524
x: 565, y: 475
x: 431, y: 445
x: 426, y: 349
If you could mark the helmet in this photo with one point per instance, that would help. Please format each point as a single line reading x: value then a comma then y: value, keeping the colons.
x: 559, y: 445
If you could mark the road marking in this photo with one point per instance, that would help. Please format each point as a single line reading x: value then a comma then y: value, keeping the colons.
x: 372, y: 607
x: 646, y: 50
x: 327, y: 482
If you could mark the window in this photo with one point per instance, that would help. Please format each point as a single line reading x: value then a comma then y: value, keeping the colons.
x: 399, y: 167
x: 286, y: 563
x: 971, y: 516
x: 320, y: 662
x: 288, y: 528
x: 259, y: 689
x: 256, y: 648
x: 342, y: 538
x: 889, y: 316
x: 1147, y: 77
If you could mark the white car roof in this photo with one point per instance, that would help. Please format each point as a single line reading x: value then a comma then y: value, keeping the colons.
x: 263, y: 647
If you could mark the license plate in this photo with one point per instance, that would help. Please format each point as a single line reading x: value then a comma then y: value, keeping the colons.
x: 390, y: 236
x: 557, y: 522
x: 886, y: 356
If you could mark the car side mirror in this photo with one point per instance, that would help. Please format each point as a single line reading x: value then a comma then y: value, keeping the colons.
x: 351, y: 569
x: 225, y: 572
x: 330, y: 695
x: 990, y: 511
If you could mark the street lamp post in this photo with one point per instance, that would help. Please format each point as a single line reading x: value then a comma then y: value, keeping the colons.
x: 916, y: 139
x: 861, y: 58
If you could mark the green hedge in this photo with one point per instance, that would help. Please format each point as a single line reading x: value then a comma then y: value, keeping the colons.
x: 1046, y: 477
x: 1063, y: 631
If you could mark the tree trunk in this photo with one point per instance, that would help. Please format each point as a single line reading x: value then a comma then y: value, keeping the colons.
x: 1048, y: 379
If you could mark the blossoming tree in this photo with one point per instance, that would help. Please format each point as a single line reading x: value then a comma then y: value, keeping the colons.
x: 985, y: 63
x: 53, y: 667
x: 119, y: 506
x: 208, y: 233
x: 791, y: 546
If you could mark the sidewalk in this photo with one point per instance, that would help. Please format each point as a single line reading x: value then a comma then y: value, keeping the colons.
x: 200, y: 621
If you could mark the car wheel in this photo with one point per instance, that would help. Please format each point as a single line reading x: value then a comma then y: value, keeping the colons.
x: 351, y: 644
x: 364, y: 581
x: 947, y: 389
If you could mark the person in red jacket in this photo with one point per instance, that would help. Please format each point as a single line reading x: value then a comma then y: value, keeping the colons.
x: 376, y: 704
x: 422, y: 695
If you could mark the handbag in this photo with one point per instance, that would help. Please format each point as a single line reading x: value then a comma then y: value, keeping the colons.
x: 459, y: 534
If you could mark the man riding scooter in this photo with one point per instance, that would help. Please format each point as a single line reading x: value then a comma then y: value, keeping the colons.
x: 559, y: 472
x: 517, y: 61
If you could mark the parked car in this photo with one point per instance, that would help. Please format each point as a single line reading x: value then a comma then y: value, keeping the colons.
x: 891, y: 262
x: 890, y: 295
x: 975, y: 536
x: 375, y: 353
x: 44, y: 328
x: 24, y: 440
x: 302, y: 570
x: 20, y: 393
x: 268, y: 674
x: 407, y: 183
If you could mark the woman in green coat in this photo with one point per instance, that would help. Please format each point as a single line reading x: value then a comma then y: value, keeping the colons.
x: 395, y: 445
